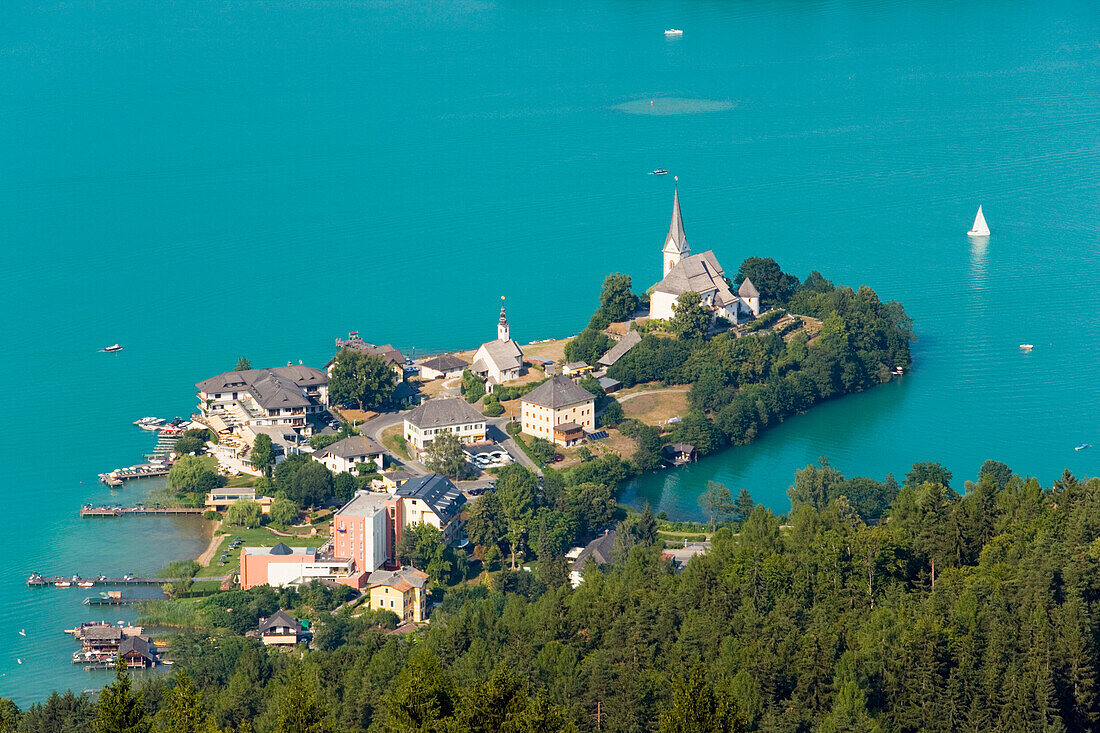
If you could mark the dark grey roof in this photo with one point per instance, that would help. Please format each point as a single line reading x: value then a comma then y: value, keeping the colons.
x: 626, y: 343
x: 352, y: 446
x: 748, y: 290
x: 102, y: 633
x: 393, y: 578
x: 277, y: 620
x: 676, y: 240
x: 138, y: 644
x: 558, y: 391
x: 273, y: 392
x: 281, y: 549
x: 301, y: 376
x: 442, y: 413
x: 607, y: 383
x: 599, y: 550
x: 445, y: 363
x: 442, y: 496
x: 679, y: 448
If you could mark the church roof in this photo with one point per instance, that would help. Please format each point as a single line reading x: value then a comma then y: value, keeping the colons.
x: 676, y: 241
x: 558, y: 391
x: 748, y: 290
x: 697, y: 273
x: 504, y: 355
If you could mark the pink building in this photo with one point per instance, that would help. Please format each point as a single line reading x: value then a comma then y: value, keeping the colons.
x: 282, y: 565
x: 367, y: 529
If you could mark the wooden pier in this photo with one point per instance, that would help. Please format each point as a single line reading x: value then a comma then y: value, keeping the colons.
x: 143, y: 470
x: 118, y: 511
x: 38, y: 581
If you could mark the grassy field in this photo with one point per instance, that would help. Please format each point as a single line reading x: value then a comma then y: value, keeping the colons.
x: 388, y: 440
x: 258, y: 537
x: 651, y: 408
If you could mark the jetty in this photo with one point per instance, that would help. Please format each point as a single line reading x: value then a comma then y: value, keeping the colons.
x: 87, y: 511
x: 37, y: 581
x: 119, y: 476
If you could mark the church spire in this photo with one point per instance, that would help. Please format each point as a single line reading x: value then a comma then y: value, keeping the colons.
x: 676, y: 244
x: 502, y: 325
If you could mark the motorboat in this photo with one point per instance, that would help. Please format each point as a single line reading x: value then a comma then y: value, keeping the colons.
x: 980, y: 228
x: 63, y: 583
x: 659, y: 172
x: 1083, y: 446
x: 113, y: 347
x: 85, y: 584
x: 150, y: 423
x: 1027, y: 347
x: 674, y: 32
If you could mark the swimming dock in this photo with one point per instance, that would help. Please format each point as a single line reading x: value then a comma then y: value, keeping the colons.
x: 37, y: 581
x: 119, y: 511
x: 142, y: 470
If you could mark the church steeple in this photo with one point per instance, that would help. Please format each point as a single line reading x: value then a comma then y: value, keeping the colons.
x: 676, y: 244
x: 502, y: 325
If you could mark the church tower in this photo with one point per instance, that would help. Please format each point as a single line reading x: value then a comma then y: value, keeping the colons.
x: 676, y: 245
x: 502, y: 325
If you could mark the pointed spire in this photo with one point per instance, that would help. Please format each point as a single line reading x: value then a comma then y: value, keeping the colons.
x: 502, y: 325
x: 503, y: 318
x: 676, y: 241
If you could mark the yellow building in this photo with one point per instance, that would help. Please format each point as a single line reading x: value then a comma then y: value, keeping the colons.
x: 559, y: 411
x: 401, y: 591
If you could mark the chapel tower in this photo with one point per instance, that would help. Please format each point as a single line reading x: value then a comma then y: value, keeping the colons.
x: 676, y: 245
x: 502, y: 325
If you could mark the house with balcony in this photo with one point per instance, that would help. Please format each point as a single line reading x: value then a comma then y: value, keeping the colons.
x: 280, y: 396
x: 558, y: 410
x: 434, y: 417
x: 433, y: 500
x: 281, y: 565
x: 345, y: 455
x: 401, y: 591
x: 280, y: 629
x: 366, y: 529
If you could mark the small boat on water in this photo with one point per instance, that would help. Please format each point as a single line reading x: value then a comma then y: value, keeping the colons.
x: 113, y: 347
x: 674, y: 32
x: 85, y: 584
x: 980, y: 228
x: 1027, y: 347
x: 1083, y: 446
x: 22, y: 632
x: 149, y: 423
x: 659, y: 172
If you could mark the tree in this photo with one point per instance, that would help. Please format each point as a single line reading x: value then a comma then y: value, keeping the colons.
x: 192, y: 441
x: 244, y: 513
x: 262, y: 454
x: 120, y: 709
x: 645, y: 527
x: 418, y: 545
x: 542, y: 450
x: 588, y: 346
x: 194, y: 475
x: 815, y: 486
x: 365, y: 380
x: 999, y: 471
x: 282, y: 512
x: 612, y: 415
x: 775, y: 286
x: 617, y: 302
x: 304, y: 481
x: 690, y: 321
x: 697, y: 708
x: 485, y: 522
x: 473, y: 389
x: 183, y: 710
x: 717, y: 503
x: 744, y: 504
x: 300, y: 710
x: 423, y: 697
x: 243, y: 365
x: 446, y: 456
x: 928, y: 473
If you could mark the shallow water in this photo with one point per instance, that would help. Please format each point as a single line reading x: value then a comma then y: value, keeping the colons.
x: 200, y: 180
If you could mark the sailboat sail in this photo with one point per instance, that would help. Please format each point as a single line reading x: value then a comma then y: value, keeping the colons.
x: 980, y: 229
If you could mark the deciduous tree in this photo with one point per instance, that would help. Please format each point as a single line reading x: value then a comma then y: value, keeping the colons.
x: 262, y: 454
x: 365, y: 380
x: 446, y: 456
x: 690, y: 321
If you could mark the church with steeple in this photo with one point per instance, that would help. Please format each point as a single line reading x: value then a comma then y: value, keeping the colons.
x: 499, y: 361
x: 683, y: 272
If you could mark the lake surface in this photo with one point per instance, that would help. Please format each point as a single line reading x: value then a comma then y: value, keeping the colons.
x: 201, y: 180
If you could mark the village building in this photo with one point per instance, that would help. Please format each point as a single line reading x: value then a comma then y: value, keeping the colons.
x: 444, y: 366
x: 391, y: 356
x: 558, y: 410
x: 401, y: 591
x: 499, y: 361
x: 598, y: 551
x: 221, y: 499
x: 283, y: 396
x: 678, y: 454
x: 616, y: 352
x: 344, y: 455
x: 434, y: 417
x: 280, y: 629
x: 433, y: 500
x: 367, y: 528
x: 137, y: 652
x: 281, y: 566
x: 700, y: 273
x: 575, y: 369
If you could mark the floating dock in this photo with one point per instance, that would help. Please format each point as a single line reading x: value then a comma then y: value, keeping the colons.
x: 118, y: 511
x: 143, y: 470
x: 36, y: 581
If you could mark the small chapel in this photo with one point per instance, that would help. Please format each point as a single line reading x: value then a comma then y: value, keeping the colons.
x: 499, y: 361
x: 700, y: 273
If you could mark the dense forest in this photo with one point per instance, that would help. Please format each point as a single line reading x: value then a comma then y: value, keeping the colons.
x: 955, y: 612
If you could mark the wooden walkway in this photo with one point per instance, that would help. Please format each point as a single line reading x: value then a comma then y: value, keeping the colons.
x: 145, y: 470
x: 45, y: 580
x: 115, y: 511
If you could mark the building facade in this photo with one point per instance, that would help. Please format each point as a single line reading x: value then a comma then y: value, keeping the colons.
x: 344, y: 455
x: 401, y: 591
x: 284, y: 396
x: 434, y: 417
x: 433, y: 500
x: 366, y: 530
x: 281, y: 565
x: 558, y: 410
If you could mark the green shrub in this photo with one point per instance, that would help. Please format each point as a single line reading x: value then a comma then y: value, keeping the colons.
x: 211, y: 514
x: 494, y: 409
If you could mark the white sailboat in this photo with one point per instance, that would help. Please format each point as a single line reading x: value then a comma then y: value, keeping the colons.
x: 980, y: 228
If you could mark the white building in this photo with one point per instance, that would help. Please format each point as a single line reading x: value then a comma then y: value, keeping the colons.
x: 701, y: 273
x: 434, y: 417
x: 499, y: 361
x: 344, y: 455
x: 283, y: 396
x: 433, y: 500
x: 558, y: 410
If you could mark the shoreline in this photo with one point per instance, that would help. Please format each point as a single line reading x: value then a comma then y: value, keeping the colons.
x: 207, y: 555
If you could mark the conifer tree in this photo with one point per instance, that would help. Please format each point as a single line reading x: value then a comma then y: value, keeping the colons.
x: 120, y: 709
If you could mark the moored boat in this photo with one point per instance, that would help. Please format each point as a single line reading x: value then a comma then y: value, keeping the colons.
x: 63, y: 584
x: 674, y: 32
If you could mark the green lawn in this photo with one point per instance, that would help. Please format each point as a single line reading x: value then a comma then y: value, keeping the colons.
x: 258, y: 537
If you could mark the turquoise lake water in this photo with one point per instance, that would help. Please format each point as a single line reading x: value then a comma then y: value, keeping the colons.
x: 199, y: 180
